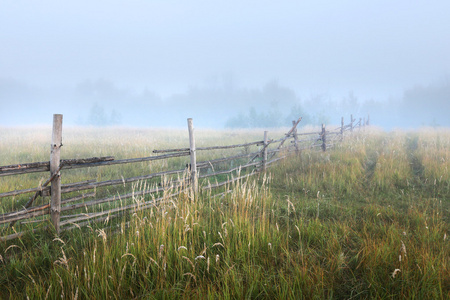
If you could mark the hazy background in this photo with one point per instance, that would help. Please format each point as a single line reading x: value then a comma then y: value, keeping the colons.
x: 224, y: 63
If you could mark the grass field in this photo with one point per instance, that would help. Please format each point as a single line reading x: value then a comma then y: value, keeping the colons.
x: 367, y: 219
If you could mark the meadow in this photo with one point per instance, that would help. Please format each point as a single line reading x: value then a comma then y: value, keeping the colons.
x: 367, y: 219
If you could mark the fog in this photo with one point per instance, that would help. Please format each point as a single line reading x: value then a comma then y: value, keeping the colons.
x: 225, y: 64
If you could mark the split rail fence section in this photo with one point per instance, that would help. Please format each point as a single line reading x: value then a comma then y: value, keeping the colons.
x: 75, y: 210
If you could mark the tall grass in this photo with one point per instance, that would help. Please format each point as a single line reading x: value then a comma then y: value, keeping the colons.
x: 363, y: 220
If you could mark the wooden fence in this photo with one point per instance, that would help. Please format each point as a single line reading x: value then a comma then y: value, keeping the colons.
x: 73, y: 211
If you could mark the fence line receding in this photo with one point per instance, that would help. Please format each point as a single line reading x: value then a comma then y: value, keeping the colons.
x: 76, y: 204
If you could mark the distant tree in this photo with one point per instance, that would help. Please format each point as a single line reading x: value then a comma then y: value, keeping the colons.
x: 297, y: 111
x: 426, y: 105
x: 98, y: 116
x: 115, y: 118
x: 239, y: 121
x: 273, y: 118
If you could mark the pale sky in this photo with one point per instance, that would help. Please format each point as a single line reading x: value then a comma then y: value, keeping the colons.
x: 374, y: 48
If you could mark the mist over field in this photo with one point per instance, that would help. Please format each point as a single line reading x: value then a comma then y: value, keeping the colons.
x: 227, y: 65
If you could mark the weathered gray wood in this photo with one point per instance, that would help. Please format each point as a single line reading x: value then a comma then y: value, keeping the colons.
x: 280, y: 139
x: 55, y: 154
x: 44, y: 190
x: 27, y: 211
x: 44, y: 209
x: 25, y: 214
x: 24, y: 168
x: 73, y: 216
x: 45, y: 166
x: 73, y: 187
x: 230, y: 171
x: 26, y: 191
x: 207, y: 163
x: 30, y: 202
x: 222, y: 194
x: 18, y: 234
x: 324, y: 138
x: 307, y: 140
x: 230, y: 146
x: 96, y: 162
x: 295, y: 137
x: 81, y: 161
x: 77, y: 198
x: 308, y: 133
x: 351, y: 123
x: 264, y: 161
x: 210, y: 148
x: 274, y: 151
x: 275, y: 159
x: 137, y: 206
x: 91, y: 185
x: 193, y: 165
x: 260, y: 153
x: 294, y: 126
x: 171, y: 150
x: 84, y: 185
x: 288, y: 134
x: 211, y: 186
x: 128, y: 161
x: 97, y: 220
x: 125, y: 196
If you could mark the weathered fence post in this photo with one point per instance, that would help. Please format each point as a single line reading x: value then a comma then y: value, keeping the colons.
x: 295, y: 137
x: 324, y: 139
x: 342, y: 128
x: 264, y: 162
x: 193, y: 166
x: 55, y: 161
x: 351, y: 123
x: 368, y: 120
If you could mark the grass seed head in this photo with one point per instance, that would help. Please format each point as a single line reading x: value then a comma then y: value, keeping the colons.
x: 102, y: 234
x: 395, y: 272
x: 12, y: 246
x: 190, y: 262
x: 181, y: 247
x: 59, y: 240
x: 191, y: 275
x: 403, y: 249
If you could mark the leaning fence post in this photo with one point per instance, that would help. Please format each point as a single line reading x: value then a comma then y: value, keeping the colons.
x: 193, y: 166
x: 55, y: 161
x: 351, y: 123
x: 342, y: 128
x: 295, y: 136
x: 264, y: 162
x: 324, y: 139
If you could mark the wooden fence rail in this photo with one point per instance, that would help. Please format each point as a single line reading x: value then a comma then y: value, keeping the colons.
x: 209, y: 171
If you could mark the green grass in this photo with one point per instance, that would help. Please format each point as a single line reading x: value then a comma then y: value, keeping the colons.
x: 332, y: 225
